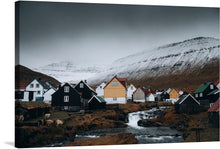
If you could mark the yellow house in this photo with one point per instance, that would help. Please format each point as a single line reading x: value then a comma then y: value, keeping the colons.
x: 174, y: 93
x: 115, y: 91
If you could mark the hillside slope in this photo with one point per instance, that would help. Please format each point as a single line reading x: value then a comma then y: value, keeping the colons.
x: 24, y: 75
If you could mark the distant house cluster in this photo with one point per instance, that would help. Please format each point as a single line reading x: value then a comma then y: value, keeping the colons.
x: 75, y: 97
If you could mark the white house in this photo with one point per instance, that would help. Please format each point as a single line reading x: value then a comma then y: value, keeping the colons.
x: 130, y: 90
x: 39, y: 87
x: 100, y: 89
x: 47, y: 95
x: 21, y: 95
x: 150, y: 97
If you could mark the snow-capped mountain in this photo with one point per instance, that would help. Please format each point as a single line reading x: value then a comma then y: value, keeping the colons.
x: 174, y: 58
x: 66, y: 71
x: 168, y: 59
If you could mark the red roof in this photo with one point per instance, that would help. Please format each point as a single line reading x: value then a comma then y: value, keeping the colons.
x: 147, y: 91
x: 19, y: 87
x: 123, y: 81
x: 214, y: 107
x: 216, y: 83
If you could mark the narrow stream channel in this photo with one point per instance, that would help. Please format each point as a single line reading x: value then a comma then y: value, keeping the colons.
x: 144, y: 135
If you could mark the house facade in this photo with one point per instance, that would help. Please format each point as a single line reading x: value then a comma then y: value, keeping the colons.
x: 187, y: 104
x: 66, y: 98
x: 150, y: 97
x: 48, y: 95
x: 86, y: 92
x: 174, y: 93
x: 39, y: 87
x: 100, y: 89
x: 115, y: 91
x: 201, y: 94
x: 139, y: 95
x: 130, y: 90
x: 214, y: 114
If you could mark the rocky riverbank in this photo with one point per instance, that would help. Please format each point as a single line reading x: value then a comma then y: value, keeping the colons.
x: 122, y: 138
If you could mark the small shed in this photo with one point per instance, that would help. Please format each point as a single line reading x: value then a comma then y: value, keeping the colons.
x: 187, y: 104
x: 151, y: 97
x: 97, y: 102
x: 139, y: 95
x: 213, y: 114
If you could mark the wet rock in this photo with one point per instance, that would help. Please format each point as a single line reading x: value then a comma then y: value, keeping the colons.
x: 148, y: 123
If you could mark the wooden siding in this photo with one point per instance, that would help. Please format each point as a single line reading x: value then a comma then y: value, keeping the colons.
x: 138, y: 94
x: 114, y: 91
x: 174, y: 94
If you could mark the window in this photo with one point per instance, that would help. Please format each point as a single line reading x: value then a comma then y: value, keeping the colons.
x: 66, y: 98
x: 66, y: 89
x: 38, y: 92
x: 114, y: 98
x: 32, y: 85
x: 196, y: 95
x: 116, y: 83
x: 100, y: 86
x: 200, y: 95
x: 37, y: 85
x: 113, y: 83
x: 211, y: 87
x: 81, y: 85
x: 65, y: 107
x: 131, y: 87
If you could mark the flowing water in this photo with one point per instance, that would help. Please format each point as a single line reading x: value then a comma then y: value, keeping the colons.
x: 144, y: 135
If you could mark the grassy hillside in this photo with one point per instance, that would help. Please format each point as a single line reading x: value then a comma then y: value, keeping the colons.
x: 24, y: 75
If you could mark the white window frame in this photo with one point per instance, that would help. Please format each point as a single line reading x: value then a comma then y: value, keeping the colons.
x: 113, y: 83
x: 37, y: 85
x: 66, y: 98
x: 116, y: 83
x: 211, y: 86
x: 100, y: 86
x: 114, y: 98
x: 38, y: 92
x: 200, y: 94
x: 81, y: 85
x: 66, y: 89
x: 131, y: 87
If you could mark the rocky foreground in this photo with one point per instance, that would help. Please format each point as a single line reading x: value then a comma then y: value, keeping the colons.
x: 122, y: 138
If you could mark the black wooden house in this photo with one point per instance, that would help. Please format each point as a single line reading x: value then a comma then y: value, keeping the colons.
x: 164, y: 95
x: 66, y: 98
x: 86, y: 92
x: 96, y: 102
x: 187, y: 104
x: 201, y: 94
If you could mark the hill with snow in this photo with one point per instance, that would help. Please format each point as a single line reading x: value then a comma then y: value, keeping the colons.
x: 196, y: 58
x: 66, y: 71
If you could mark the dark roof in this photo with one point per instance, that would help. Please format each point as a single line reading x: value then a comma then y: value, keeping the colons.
x: 214, y: 107
x: 202, y: 87
x: 86, y: 85
x: 184, y: 97
x: 214, y: 92
x: 46, y: 86
x: 51, y: 85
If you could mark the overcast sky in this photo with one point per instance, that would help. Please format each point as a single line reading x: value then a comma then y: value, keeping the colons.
x: 96, y: 33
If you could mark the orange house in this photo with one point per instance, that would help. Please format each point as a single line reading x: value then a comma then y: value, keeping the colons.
x: 174, y: 93
x: 115, y: 91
